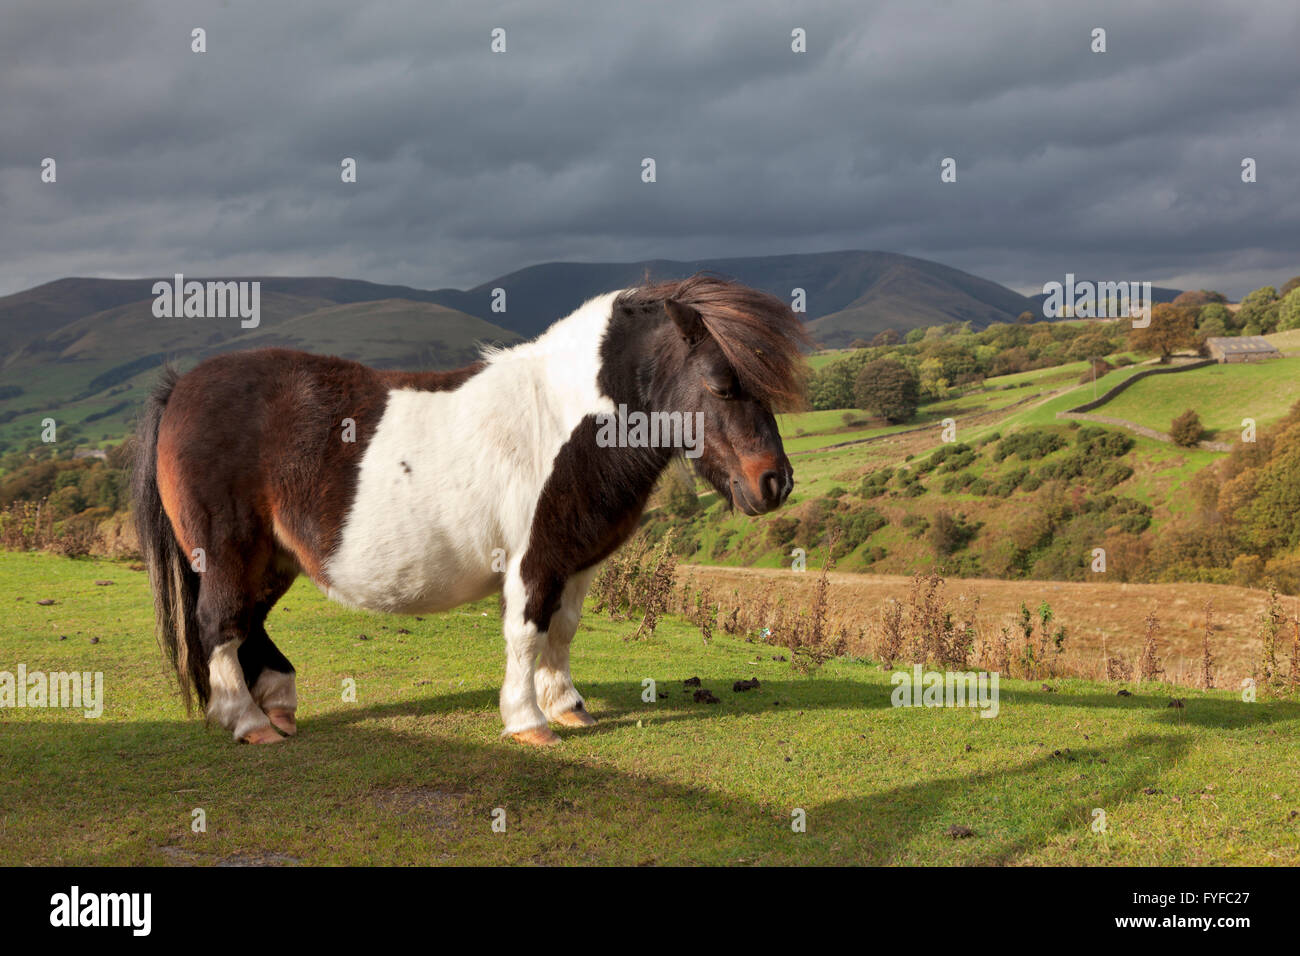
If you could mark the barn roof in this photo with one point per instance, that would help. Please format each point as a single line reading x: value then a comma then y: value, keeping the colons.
x: 1251, y: 344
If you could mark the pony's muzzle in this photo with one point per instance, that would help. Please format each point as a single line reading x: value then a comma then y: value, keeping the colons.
x: 765, y: 493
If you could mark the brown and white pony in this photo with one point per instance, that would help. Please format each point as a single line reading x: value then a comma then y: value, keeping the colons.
x: 414, y: 492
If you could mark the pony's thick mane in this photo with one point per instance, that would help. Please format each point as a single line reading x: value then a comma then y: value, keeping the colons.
x: 759, y: 334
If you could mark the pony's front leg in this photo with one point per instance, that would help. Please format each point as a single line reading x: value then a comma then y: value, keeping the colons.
x: 559, y: 699
x: 523, y: 719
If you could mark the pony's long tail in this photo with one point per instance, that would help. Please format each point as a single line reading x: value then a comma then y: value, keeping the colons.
x: 174, y: 582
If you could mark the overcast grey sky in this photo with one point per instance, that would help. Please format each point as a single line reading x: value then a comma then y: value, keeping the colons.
x: 1122, y: 165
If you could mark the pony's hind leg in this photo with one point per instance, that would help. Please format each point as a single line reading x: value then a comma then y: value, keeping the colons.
x: 267, y: 672
x: 226, y: 617
x: 559, y: 699
x: 271, y: 680
x: 230, y: 704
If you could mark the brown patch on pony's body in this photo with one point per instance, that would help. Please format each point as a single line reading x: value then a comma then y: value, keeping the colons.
x: 258, y: 437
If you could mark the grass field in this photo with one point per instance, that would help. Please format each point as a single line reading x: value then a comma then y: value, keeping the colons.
x: 411, y: 772
x: 1222, y: 395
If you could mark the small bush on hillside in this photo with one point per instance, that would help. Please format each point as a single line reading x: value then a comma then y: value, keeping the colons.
x: 679, y: 489
x: 1103, y: 443
x: 781, y: 531
x: 818, y: 516
x: 958, y: 461
x: 721, y: 545
x: 1186, y: 430
x: 1029, y: 444
x: 957, y: 482
x: 915, y: 525
x: 873, y: 484
x: 1005, y: 484
x: 950, y: 533
x: 855, y: 528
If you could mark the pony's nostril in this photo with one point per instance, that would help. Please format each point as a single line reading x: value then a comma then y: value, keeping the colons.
x: 770, y: 484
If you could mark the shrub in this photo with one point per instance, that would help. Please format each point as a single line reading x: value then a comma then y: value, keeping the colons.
x: 1186, y: 430
x: 1029, y: 444
x: 873, y: 483
x: 781, y: 531
x: 950, y: 533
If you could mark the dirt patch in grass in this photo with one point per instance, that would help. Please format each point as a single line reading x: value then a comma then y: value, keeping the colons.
x: 183, y: 857
x: 441, y: 809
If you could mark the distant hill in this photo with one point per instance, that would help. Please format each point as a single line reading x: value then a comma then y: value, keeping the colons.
x: 1158, y: 294
x: 35, y: 313
x: 91, y: 372
x: 903, y: 293
x: 849, y: 295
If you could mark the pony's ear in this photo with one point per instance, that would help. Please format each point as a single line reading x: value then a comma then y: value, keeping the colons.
x: 688, y: 322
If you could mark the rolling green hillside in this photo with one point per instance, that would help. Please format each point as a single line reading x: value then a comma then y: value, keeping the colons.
x: 1221, y: 394
x: 1020, y: 493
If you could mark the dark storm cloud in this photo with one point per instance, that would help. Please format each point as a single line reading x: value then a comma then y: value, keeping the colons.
x: 1119, y: 165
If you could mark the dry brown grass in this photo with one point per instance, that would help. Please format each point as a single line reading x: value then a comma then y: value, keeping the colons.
x: 1104, y: 620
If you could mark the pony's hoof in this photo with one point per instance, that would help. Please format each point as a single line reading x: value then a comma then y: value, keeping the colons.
x: 537, y: 737
x: 284, y: 720
x: 578, y: 717
x: 262, y: 735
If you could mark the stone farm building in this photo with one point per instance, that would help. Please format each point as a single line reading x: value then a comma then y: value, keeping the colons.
x: 1244, y: 348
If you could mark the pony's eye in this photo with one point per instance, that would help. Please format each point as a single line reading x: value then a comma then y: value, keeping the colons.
x: 724, y: 388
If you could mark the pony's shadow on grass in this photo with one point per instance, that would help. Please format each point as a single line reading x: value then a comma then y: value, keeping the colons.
x: 619, y: 704
x: 337, y: 778
x: 616, y: 705
x: 1218, y: 712
x: 894, y: 818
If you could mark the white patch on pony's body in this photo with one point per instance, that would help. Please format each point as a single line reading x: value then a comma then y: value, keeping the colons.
x: 449, y: 477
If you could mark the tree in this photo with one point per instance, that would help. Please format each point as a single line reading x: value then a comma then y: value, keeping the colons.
x: 1213, y: 328
x: 1215, y: 316
x: 887, y: 388
x: 1186, y: 430
x: 887, y: 337
x: 832, y: 385
x: 1259, y: 311
x: 1288, y: 313
x: 1199, y: 298
x: 1291, y: 285
x: 1026, y: 318
x: 1171, y: 328
x: 682, y: 500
